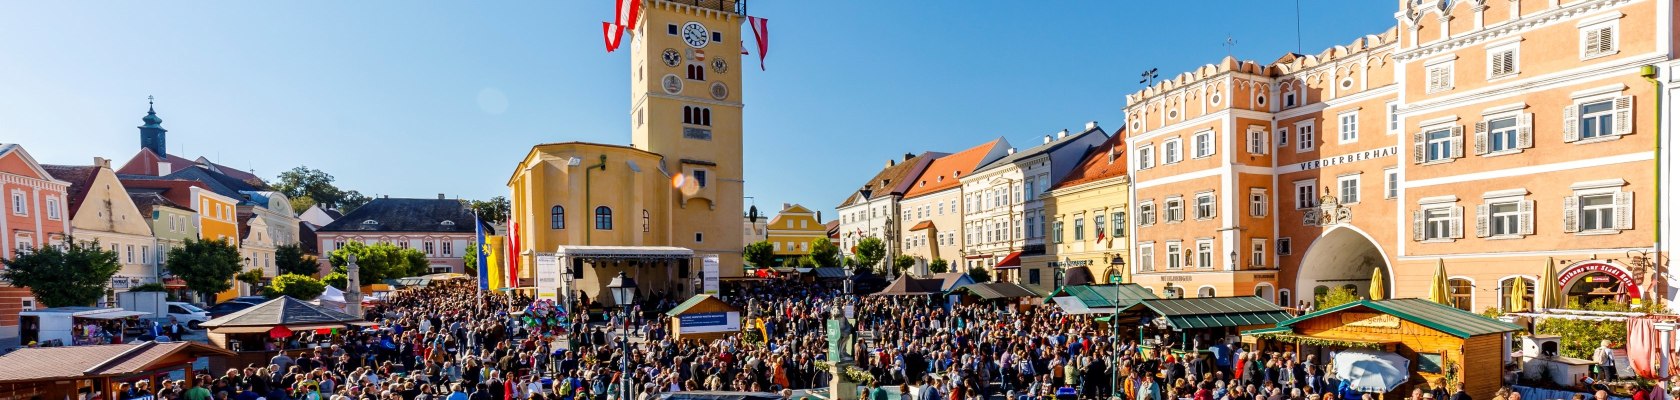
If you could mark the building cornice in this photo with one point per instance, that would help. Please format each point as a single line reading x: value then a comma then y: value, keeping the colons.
x: 1560, y: 13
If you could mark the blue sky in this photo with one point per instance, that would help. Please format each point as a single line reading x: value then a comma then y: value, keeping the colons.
x: 415, y: 98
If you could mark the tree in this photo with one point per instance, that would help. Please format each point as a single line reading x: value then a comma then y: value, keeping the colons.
x: 979, y: 274
x: 824, y: 253
x: 75, y: 275
x: 149, y: 287
x: 318, y: 187
x: 337, y: 280
x: 495, y: 209
x: 379, y: 261
x: 469, y: 260
x: 253, y: 277
x: 938, y: 266
x: 870, y: 251
x: 207, y: 266
x: 1582, y: 336
x: 289, y: 258
x: 760, y: 254
x: 301, y: 287
x: 1335, y: 297
x: 902, y: 263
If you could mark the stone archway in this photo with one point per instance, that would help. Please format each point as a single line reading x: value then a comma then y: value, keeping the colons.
x: 1343, y: 257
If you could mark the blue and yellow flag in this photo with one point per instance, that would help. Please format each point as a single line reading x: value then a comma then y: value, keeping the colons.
x: 483, y: 266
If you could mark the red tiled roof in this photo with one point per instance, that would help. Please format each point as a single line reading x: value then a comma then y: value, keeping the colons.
x: 178, y: 191
x: 82, y: 362
x: 946, y: 172
x: 80, y: 178
x: 921, y: 225
x: 1097, y: 164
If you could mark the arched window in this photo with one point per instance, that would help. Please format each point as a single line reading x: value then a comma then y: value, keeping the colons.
x: 1172, y: 292
x: 696, y: 72
x: 706, y: 116
x: 1205, y: 291
x: 1458, y: 289
x: 1283, y: 298
x: 557, y: 217
x: 603, y: 218
x: 688, y: 115
x: 1505, y: 288
x: 647, y: 221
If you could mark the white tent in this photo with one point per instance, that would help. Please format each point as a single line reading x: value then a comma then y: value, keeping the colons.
x: 332, y: 298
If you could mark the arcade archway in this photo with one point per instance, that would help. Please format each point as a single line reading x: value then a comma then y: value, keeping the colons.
x: 1344, y: 257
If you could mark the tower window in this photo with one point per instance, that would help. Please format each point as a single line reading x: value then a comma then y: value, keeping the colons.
x: 647, y: 221
x: 696, y: 72
x: 671, y: 29
x: 697, y: 115
x: 557, y: 217
x: 603, y: 218
x: 716, y: 37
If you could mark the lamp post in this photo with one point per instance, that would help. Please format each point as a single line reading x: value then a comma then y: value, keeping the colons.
x: 1118, y: 265
x: 623, y: 290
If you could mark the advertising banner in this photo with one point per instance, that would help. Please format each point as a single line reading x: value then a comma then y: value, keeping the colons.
x: 548, y: 276
x: 709, y: 270
x: 710, y: 322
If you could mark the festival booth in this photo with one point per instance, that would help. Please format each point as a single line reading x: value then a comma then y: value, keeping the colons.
x: 704, y: 317
x: 283, y: 324
x: 77, y: 326
x: 1190, y: 326
x: 1392, y: 346
x: 912, y: 287
x: 993, y: 292
x: 1098, y: 299
x: 94, y: 372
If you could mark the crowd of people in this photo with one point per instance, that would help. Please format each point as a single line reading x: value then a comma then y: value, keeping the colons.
x: 450, y: 341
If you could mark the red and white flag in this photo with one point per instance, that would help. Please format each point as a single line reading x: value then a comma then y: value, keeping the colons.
x: 761, y: 33
x: 699, y: 55
x: 624, y: 19
x: 614, y: 34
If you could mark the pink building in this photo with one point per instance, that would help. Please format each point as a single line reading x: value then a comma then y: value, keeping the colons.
x: 32, y: 213
x: 441, y: 228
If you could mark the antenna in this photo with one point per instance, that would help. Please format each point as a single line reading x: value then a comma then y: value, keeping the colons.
x: 1297, y: 26
x: 1230, y: 42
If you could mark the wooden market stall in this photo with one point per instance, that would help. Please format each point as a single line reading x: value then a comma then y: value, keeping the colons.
x: 95, y: 372
x: 283, y: 324
x: 1193, y: 326
x: 994, y: 292
x: 1434, y: 341
x: 704, y: 317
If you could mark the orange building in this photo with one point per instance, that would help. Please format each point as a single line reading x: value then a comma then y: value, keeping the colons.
x: 33, y: 213
x: 1486, y: 135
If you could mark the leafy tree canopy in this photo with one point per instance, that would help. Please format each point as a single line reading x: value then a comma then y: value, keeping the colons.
x: 207, y: 266
x: 290, y: 259
x: 302, y: 287
x: 494, y: 209
x: 979, y: 275
x: 870, y: 251
x: 824, y: 253
x: 318, y: 187
x: 379, y: 261
x: 337, y: 280
x: 760, y: 255
x: 938, y: 266
x: 74, y: 275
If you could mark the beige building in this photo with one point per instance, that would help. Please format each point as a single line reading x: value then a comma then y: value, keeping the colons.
x: 934, y: 218
x: 100, y: 210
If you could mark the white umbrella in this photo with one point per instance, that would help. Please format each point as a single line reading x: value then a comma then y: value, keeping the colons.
x: 1371, y: 371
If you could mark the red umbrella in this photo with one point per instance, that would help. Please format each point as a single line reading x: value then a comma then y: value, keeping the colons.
x: 279, y: 332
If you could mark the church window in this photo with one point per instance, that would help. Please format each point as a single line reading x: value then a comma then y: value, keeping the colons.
x: 696, y: 72
x: 603, y: 218
x: 557, y: 217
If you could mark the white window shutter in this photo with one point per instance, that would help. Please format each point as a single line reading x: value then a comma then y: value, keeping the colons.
x: 1571, y: 124
x: 1456, y: 145
x: 1418, y: 226
x: 1525, y: 131
x: 1624, y: 115
x: 1481, y: 220
x: 1455, y: 222
x: 1606, y: 40
x: 1481, y: 137
x: 1417, y: 148
x: 1571, y: 214
x: 1592, y: 42
x: 1624, y: 210
x: 1525, y: 217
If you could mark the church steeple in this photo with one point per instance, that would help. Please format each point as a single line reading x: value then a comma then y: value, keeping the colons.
x: 152, y: 134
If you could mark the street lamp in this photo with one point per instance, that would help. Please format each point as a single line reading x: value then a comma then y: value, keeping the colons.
x: 623, y: 289
x: 1114, y: 269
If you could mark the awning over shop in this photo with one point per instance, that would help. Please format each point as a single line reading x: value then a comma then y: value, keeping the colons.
x: 1011, y: 261
x: 1106, y: 296
x: 1214, y: 312
x: 830, y: 273
x: 1447, y: 319
x: 114, y: 315
x: 921, y: 225
x: 1073, y: 306
x: 995, y: 290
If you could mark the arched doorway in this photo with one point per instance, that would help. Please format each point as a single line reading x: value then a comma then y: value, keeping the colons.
x: 1595, y: 280
x: 1264, y: 291
x: 1344, y: 257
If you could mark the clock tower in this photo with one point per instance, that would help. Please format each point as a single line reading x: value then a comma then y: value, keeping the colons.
x: 685, y: 104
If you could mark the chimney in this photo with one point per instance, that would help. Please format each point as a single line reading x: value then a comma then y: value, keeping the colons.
x: 1112, y: 152
x: 908, y: 156
x: 1046, y: 139
x: 102, y: 162
x: 1091, y: 125
x: 786, y: 206
x: 385, y: 196
x: 891, y: 162
x: 1011, y: 151
x: 440, y: 196
x: 163, y: 168
x: 1061, y: 134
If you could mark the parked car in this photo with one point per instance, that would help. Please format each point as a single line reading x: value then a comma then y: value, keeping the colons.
x: 234, y: 305
x: 188, y: 313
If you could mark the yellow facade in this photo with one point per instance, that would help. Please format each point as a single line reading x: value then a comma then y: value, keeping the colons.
x: 793, y: 230
x: 1101, y: 246
x: 218, y: 216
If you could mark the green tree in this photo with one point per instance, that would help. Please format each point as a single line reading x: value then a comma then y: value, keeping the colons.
x: 902, y: 263
x: 302, y: 203
x: 75, y: 275
x: 301, y: 287
x: 289, y: 258
x: 379, y: 261
x: 318, y: 187
x: 808, y: 262
x: 207, y: 266
x: 1581, y: 337
x: 469, y: 260
x: 824, y: 253
x: 149, y: 287
x: 870, y: 251
x: 760, y: 254
x: 337, y: 280
x: 495, y: 209
x: 979, y: 275
x: 1335, y: 297
x: 939, y: 266
x: 253, y: 277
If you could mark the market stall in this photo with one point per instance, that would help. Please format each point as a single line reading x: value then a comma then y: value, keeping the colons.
x: 1392, y: 346
x: 993, y: 292
x: 94, y: 372
x: 283, y: 324
x: 1192, y: 326
x: 77, y: 326
x: 704, y: 317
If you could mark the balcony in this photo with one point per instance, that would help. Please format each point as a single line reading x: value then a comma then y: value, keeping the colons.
x: 738, y: 7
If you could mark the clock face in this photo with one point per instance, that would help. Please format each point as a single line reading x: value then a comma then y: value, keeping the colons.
x: 696, y: 35
x: 672, y: 57
x: 672, y: 84
x: 720, y: 65
x: 719, y: 91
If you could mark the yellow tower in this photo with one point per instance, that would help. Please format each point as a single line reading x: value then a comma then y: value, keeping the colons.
x: 685, y: 104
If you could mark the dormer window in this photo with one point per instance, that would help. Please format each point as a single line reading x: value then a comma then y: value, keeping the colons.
x: 447, y: 223
x: 370, y: 222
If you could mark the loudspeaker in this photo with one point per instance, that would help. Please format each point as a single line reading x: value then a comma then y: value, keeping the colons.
x: 682, y: 267
x: 577, y: 268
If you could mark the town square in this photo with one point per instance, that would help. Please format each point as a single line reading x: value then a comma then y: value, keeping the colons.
x: 930, y: 200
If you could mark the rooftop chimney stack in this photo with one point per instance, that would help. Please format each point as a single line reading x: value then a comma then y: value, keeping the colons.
x: 102, y: 162
x: 1011, y: 151
x: 891, y: 162
x: 1046, y: 139
x: 1091, y: 125
x: 1061, y: 134
x: 440, y: 196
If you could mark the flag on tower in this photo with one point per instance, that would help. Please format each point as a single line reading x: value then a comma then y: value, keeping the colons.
x: 761, y: 33
x: 614, y: 34
x: 624, y: 19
